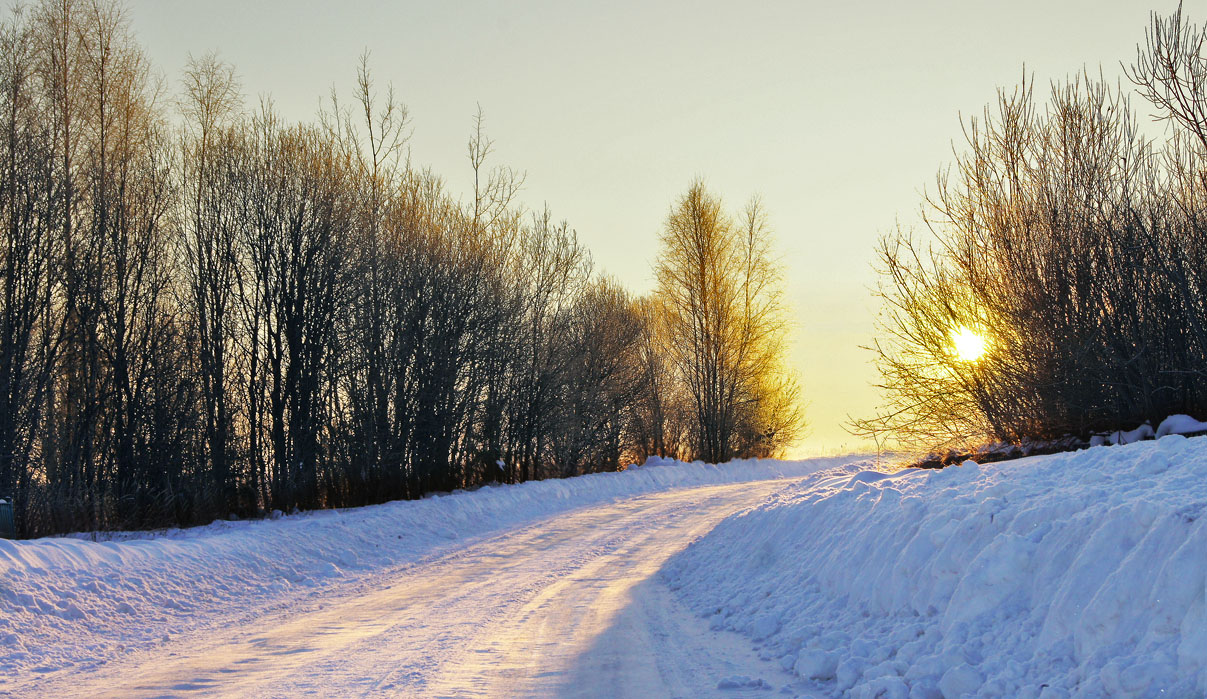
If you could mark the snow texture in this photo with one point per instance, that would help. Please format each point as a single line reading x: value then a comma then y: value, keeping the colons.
x: 1079, y: 574
x: 75, y: 603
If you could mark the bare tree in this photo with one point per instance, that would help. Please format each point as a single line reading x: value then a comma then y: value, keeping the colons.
x: 662, y: 423
x: 227, y: 313
x: 1071, y: 245
x: 719, y: 288
x: 298, y: 245
x: 556, y: 267
x: 373, y: 134
x: 209, y: 247
x: 1171, y: 73
x: 28, y: 221
x: 601, y: 383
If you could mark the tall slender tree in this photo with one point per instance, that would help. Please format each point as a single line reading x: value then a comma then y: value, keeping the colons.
x: 718, y: 285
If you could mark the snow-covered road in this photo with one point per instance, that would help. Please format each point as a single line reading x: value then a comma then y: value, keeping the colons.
x: 565, y: 606
x: 1050, y: 577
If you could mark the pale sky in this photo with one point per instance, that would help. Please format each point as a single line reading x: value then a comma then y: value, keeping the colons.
x: 838, y: 114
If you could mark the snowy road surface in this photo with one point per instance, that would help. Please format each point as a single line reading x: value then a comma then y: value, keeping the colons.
x: 566, y: 606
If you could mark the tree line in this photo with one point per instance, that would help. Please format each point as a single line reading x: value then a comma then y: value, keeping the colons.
x: 1076, y: 246
x: 209, y: 311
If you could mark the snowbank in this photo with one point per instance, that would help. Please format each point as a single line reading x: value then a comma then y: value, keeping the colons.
x: 1076, y: 574
x: 1174, y: 424
x: 1180, y: 424
x: 72, y: 602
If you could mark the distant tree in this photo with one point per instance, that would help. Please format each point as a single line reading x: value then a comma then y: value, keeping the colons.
x: 301, y: 219
x: 209, y: 250
x: 556, y: 268
x: 601, y: 381
x: 372, y: 132
x: 725, y: 325
x: 29, y: 226
x: 662, y: 425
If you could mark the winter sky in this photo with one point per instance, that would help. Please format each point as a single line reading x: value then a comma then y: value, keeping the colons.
x: 838, y: 113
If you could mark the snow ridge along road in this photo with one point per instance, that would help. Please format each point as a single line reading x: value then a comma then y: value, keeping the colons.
x: 1070, y: 575
x: 543, y: 606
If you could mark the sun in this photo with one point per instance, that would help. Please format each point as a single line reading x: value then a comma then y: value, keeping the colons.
x: 969, y: 345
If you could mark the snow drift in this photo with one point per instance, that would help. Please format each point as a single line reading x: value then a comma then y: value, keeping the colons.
x: 73, y: 602
x: 1076, y: 574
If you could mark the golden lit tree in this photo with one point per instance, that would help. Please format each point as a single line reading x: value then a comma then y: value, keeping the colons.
x: 724, y: 327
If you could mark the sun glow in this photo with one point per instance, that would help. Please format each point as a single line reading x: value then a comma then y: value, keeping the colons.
x: 969, y: 345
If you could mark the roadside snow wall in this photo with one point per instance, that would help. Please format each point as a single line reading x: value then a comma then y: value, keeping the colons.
x: 1077, y: 574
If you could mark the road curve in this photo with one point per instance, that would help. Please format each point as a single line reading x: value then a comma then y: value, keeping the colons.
x: 567, y: 606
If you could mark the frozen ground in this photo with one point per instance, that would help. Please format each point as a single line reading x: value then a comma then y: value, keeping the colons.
x: 1077, y: 574
x: 541, y: 589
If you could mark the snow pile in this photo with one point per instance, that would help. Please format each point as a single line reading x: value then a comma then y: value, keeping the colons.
x: 1174, y: 424
x: 1119, y: 437
x: 1180, y: 424
x: 1077, y: 574
x: 73, y: 602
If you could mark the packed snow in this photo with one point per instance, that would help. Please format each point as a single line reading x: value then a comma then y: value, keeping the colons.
x: 1078, y: 574
x: 75, y: 603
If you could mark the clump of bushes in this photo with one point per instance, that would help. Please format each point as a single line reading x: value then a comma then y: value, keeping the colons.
x: 1075, y: 246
